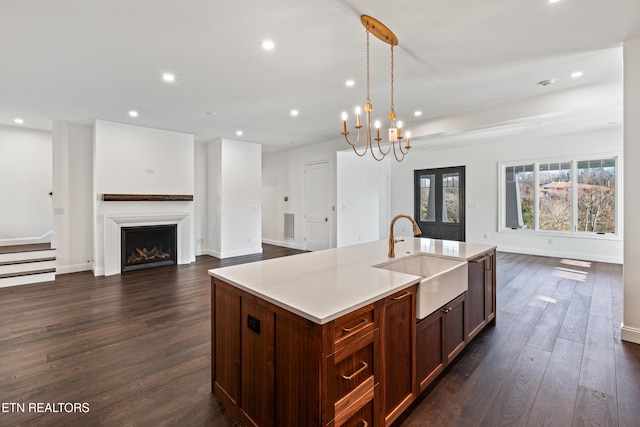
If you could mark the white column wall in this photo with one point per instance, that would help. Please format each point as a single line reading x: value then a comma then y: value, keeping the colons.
x: 358, y: 198
x: 72, y: 197
x: 631, y: 319
x: 234, y: 188
x: 200, y: 197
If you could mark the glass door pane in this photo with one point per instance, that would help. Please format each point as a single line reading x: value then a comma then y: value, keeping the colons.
x: 451, y: 199
x: 427, y: 197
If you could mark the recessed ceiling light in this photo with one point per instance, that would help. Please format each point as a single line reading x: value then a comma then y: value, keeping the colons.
x: 349, y: 83
x: 553, y: 1
x: 239, y: 132
x: 168, y: 77
x: 417, y: 113
x: 576, y: 74
x: 18, y: 121
x: 268, y: 45
x: 294, y: 113
x: 133, y: 113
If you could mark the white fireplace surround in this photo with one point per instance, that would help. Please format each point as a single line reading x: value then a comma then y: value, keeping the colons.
x: 114, y: 222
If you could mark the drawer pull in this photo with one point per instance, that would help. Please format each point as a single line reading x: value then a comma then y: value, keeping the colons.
x: 358, y: 326
x: 365, y: 424
x: 446, y: 310
x: 479, y: 260
x: 406, y: 294
x: 352, y: 376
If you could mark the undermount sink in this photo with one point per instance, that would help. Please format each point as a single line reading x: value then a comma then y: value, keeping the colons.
x: 443, y: 279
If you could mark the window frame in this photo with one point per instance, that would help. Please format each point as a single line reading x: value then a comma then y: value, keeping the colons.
x: 574, y: 232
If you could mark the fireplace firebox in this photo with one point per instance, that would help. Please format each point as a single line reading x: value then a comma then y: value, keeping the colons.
x: 148, y: 246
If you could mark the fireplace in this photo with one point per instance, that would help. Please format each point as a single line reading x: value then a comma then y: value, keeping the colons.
x: 148, y: 246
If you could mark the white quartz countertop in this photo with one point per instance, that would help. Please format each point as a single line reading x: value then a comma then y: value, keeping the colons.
x: 322, y: 286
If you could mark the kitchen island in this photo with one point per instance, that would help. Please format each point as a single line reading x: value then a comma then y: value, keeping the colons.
x: 331, y: 337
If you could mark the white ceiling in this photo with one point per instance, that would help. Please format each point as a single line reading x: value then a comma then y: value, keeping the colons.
x: 81, y: 60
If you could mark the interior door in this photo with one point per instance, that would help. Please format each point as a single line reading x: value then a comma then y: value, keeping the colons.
x: 439, y: 202
x: 317, y: 206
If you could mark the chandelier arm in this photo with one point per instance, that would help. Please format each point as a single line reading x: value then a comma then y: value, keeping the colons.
x: 396, y: 154
x: 401, y: 150
x: 366, y: 148
x: 353, y: 145
x: 380, y: 149
x: 375, y: 157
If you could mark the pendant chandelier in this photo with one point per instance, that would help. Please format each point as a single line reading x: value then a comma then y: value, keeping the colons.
x: 383, y: 33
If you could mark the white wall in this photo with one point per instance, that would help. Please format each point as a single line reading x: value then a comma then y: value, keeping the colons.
x: 140, y: 160
x: 481, y: 162
x: 72, y: 197
x: 283, y: 175
x: 26, y: 177
x: 631, y: 323
x: 358, y: 198
x: 234, y: 212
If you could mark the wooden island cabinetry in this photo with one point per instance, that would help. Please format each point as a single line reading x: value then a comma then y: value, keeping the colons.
x: 275, y: 364
x: 440, y: 337
x: 481, y: 293
x: 398, y: 326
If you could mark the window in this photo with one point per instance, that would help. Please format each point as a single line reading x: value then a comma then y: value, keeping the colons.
x: 519, y: 190
x: 554, y: 187
x: 576, y: 196
x: 596, y: 196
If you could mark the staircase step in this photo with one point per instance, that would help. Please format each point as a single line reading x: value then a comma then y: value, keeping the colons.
x: 47, y: 275
x: 12, y: 257
x: 27, y: 261
x: 16, y: 268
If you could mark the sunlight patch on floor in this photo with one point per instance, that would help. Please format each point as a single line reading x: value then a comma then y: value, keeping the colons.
x: 568, y: 273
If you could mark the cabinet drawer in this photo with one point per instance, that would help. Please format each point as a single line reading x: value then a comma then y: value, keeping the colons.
x: 352, y: 326
x: 351, y: 366
x: 360, y: 413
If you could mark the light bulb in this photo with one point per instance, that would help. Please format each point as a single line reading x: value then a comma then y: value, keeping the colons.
x: 408, y: 135
x: 377, y: 124
x: 400, y: 125
x: 358, y: 110
x: 344, y: 115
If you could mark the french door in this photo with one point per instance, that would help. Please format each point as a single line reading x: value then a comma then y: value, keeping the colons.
x: 439, y: 202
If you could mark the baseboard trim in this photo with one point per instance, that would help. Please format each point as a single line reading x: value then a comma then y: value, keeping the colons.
x: 578, y: 256
x: 627, y: 333
x: 290, y: 245
x: 75, y: 268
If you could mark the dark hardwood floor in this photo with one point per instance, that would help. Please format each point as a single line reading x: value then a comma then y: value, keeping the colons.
x: 136, y: 348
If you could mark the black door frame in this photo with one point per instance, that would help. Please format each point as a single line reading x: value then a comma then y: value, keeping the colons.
x: 436, y: 229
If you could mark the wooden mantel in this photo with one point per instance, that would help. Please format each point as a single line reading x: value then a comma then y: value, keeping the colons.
x: 147, y: 197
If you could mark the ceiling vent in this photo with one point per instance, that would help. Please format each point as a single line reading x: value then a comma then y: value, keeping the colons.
x: 546, y: 82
